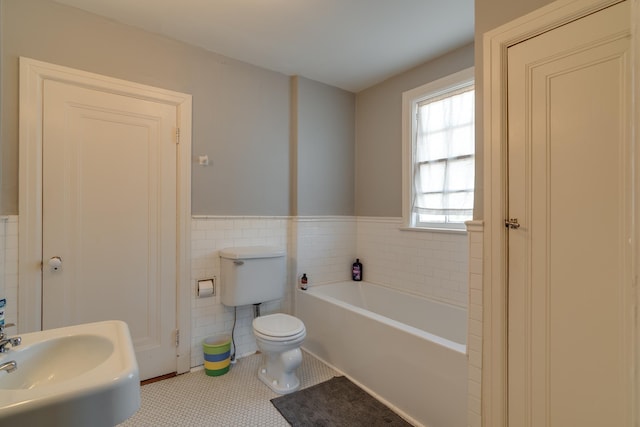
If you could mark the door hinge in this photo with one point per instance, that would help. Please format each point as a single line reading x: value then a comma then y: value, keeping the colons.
x: 177, y: 135
x: 177, y: 337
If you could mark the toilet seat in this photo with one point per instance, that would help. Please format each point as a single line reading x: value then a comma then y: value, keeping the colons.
x: 284, y: 340
x: 278, y: 327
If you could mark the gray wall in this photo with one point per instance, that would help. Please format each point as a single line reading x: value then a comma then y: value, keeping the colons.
x: 242, y: 116
x: 379, y: 112
x: 490, y: 14
x: 240, y: 112
x: 324, y: 138
x: 379, y: 133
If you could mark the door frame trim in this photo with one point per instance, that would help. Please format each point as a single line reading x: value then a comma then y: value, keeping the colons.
x: 33, y: 73
x: 495, y: 45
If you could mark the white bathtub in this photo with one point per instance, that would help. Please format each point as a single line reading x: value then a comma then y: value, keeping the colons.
x: 408, y: 351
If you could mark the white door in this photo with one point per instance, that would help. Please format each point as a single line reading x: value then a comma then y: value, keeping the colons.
x: 570, y: 305
x: 109, y: 214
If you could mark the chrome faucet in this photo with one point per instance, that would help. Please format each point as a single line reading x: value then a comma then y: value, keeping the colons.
x: 4, y: 341
x: 9, y: 366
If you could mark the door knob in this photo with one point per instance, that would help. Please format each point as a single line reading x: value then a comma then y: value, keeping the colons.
x: 512, y: 223
x: 55, y: 263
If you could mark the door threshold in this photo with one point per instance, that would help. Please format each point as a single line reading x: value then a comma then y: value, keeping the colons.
x: 156, y: 379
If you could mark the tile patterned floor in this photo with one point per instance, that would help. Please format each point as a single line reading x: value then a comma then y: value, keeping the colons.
x: 237, y: 398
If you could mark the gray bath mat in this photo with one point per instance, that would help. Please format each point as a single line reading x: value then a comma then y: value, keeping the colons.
x: 335, y: 403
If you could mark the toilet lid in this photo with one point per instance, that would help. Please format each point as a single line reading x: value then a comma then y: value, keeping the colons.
x: 278, y: 325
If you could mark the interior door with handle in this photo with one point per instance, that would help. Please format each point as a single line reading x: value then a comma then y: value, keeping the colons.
x: 109, y: 217
x: 569, y: 279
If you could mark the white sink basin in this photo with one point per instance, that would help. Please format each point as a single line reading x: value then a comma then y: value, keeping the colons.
x: 84, y: 375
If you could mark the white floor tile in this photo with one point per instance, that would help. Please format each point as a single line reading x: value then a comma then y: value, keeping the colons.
x: 237, y: 398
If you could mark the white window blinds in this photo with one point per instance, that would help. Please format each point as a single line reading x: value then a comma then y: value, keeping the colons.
x: 444, y: 158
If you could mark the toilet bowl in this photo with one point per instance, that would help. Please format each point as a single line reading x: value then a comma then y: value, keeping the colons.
x: 279, y: 337
x: 253, y: 275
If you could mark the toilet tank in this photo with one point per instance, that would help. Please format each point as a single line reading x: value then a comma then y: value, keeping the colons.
x: 252, y: 274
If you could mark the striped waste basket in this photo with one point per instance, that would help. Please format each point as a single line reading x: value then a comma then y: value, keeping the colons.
x: 217, y: 355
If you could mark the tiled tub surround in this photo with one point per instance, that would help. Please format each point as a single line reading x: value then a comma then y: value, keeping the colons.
x: 407, y: 350
x: 324, y: 248
x: 432, y: 264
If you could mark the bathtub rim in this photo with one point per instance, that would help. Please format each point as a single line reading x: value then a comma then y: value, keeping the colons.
x: 444, y: 342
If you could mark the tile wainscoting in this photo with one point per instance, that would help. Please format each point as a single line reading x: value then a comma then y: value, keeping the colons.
x: 210, y: 234
x: 475, y: 231
x: 323, y: 247
x: 435, y: 265
x: 9, y: 265
x: 429, y: 264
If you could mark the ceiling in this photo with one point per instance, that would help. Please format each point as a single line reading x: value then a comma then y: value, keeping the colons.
x: 350, y: 44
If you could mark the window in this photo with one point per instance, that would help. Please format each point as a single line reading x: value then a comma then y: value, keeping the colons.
x: 439, y: 152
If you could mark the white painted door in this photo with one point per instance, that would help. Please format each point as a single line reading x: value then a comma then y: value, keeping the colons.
x: 109, y: 213
x: 570, y: 305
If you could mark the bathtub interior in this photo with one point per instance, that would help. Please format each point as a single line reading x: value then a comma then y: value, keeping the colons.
x: 419, y: 374
x: 436, y: 320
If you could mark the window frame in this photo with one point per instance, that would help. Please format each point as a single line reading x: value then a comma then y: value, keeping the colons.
x: 410, y: 101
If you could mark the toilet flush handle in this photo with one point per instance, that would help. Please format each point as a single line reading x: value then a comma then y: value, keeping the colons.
x: 238, y: 262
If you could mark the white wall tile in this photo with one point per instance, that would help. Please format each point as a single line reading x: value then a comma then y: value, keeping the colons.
x: 325, y: 248
x: 435, y: 265
x: 474, y: 340
x: 209, y: 316
x: 9, y: 264
x: 430, y: 264
x: 3, y: 251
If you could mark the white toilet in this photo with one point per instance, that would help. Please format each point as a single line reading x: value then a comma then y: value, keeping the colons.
x: 253, y: 275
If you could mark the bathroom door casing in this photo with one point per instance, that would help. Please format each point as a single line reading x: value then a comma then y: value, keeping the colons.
x: 570, y: 186
x: 109, y: 214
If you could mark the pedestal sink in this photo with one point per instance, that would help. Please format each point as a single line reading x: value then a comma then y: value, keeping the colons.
x: 84, y: 375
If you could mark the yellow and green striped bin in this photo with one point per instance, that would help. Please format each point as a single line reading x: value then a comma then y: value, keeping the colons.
x: 217, y: 355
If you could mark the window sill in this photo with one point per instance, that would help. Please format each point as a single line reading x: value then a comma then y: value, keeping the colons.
x: 436, y: 230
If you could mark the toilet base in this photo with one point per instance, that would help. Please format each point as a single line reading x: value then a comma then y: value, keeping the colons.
x: 276, y: 385
x: 278, y: 376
